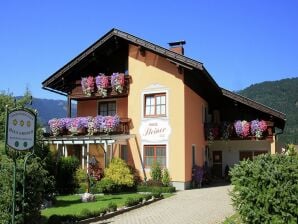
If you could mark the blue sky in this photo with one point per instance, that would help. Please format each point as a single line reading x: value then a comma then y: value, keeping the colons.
x: 239, y: 42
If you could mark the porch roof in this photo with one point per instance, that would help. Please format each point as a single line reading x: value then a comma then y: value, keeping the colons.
x: 92, y: 139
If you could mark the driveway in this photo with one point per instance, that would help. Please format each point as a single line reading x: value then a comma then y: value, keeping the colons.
x: 205, y: 205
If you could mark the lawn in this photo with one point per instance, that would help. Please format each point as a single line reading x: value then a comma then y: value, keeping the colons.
x: 72, y: 205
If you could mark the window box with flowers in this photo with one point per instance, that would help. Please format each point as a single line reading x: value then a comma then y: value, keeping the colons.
x: 88, y: 85
x: 117, y: 82
x: 78, y: 125
x: 242, y: 128
x: 258, y: 128
x: 102, y: 84
x: 56, y: 126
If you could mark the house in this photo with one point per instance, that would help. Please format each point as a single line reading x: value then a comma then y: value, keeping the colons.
x: 144, y: 103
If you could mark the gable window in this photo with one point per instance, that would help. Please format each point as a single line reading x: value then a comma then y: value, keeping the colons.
x: 155, y: 105
x: 107, y: 108
x: 155, y: 153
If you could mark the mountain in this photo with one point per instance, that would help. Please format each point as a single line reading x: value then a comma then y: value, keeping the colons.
x: 281, y: 95
x: 48, y: 109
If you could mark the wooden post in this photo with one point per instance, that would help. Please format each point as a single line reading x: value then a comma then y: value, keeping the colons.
x: 68, y: 106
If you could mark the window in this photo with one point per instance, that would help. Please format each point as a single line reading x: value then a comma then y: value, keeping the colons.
x: 107, y: 108
x: 155, y: 105
x: 155, y: 153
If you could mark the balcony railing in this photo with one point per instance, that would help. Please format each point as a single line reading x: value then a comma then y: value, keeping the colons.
x: 240, y: 131
x: 99, y: 125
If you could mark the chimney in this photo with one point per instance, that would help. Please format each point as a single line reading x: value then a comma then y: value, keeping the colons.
x: 177, y: 46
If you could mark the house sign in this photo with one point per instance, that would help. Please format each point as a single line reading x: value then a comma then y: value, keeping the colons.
x: 155, y: 130
x: 20, y: 130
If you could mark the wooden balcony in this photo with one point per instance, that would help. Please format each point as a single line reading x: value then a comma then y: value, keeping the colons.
x: 77, y: 92
x: 121, y: 129
x: 226, y: 131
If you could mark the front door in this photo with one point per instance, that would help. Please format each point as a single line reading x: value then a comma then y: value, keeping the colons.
x: 217, y: 164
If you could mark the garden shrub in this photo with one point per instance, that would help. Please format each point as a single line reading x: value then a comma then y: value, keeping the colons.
x: 65, y: 176
x: 106, y: 185
x: 166, y: 179
x: 118, y: 177
x: 144, y: 188
x: 132, y: 201
x: 266, y: 189
x: 156, y: 172
x: 112, y: 207
x: 81, y: 180
x: 119, y: 172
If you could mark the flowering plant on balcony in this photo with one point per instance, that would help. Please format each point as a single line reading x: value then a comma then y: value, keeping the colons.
x: 56, y: 126
x: 109, y: 123
x: 213, y: 133
x: 91, y: 126
x: 102, y: 83
x: 117, y: 82
x: 88, y: 85
x: 258, y: 127
x: 78, y: 124
x: 242, y: 128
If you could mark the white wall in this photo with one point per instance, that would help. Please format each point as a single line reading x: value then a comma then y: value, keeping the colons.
x: 231, y: 150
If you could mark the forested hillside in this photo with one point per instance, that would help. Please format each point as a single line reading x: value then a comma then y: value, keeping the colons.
x: 281, y: 95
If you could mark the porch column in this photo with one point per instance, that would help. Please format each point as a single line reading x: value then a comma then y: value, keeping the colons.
x: 65, y: 151
x: 105, y: 147
x: 87, y: 157
x: 68, y: 106
x: 273, y: 145
x: 83, y: 156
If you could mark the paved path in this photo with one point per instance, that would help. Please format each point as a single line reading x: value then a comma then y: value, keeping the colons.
x: 207, y: 206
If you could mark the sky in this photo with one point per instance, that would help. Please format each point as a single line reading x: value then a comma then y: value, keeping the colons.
x: 240, y: 43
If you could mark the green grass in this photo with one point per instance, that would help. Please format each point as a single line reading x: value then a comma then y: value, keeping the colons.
x: 234, y: 219
x: 72, y: 205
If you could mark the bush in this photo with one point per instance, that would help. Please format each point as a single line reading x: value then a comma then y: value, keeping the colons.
x: 132, y: 201
x: 119, y: 172
x: 166, y: 179
x: 144, y: 188
x: 156, y: 172
x: 65, y: 176
x: 106, y: 185
x: 81, y: 180
x: 112, y: 207
x: 266, y: 189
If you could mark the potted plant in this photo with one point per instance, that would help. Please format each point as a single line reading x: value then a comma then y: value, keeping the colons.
x: 258, y: 128
x: 78, y: 125
x: 87, y: 84
x: 117, y: 82
x: 56, y: 126
x: 102, y: 84
x: 242, y: 128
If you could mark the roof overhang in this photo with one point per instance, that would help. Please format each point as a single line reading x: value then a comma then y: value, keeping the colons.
x: 179, y: 59
x: 277, y: 115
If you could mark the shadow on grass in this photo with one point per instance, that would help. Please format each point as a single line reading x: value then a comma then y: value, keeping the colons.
x: 65, y: 203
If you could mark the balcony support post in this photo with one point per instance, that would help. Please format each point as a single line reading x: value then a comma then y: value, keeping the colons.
x: 68, y: 106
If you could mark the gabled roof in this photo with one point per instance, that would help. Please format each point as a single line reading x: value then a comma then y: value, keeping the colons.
x: 172, y: 56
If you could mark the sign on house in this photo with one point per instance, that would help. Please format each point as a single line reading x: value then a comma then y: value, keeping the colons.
x: 155, y: 130
x: 20, y: 129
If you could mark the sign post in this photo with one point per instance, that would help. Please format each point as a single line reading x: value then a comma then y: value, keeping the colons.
x: 19, y: 136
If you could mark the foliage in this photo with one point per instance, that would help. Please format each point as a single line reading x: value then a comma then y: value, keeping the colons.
x: 65, y: 176
x: 81, y: 180
x: 119, y: 172
x: 112, y: 206
x: 281, y: 95
x: 106, y: 185
x: 71, y: 206
x: 166, y: 179
x: 156, y: 171
x: 145, y: 188
x: 266, y: 189
x: 290, y: 150
x: 132, y: 201
x: 7, y: 99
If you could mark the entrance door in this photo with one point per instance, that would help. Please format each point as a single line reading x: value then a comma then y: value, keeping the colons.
x: 217, y: 164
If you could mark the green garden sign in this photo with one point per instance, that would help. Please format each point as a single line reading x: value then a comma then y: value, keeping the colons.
x: 19, y: 137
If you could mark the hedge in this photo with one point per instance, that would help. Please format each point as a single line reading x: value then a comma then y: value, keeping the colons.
x: 266, y: 189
